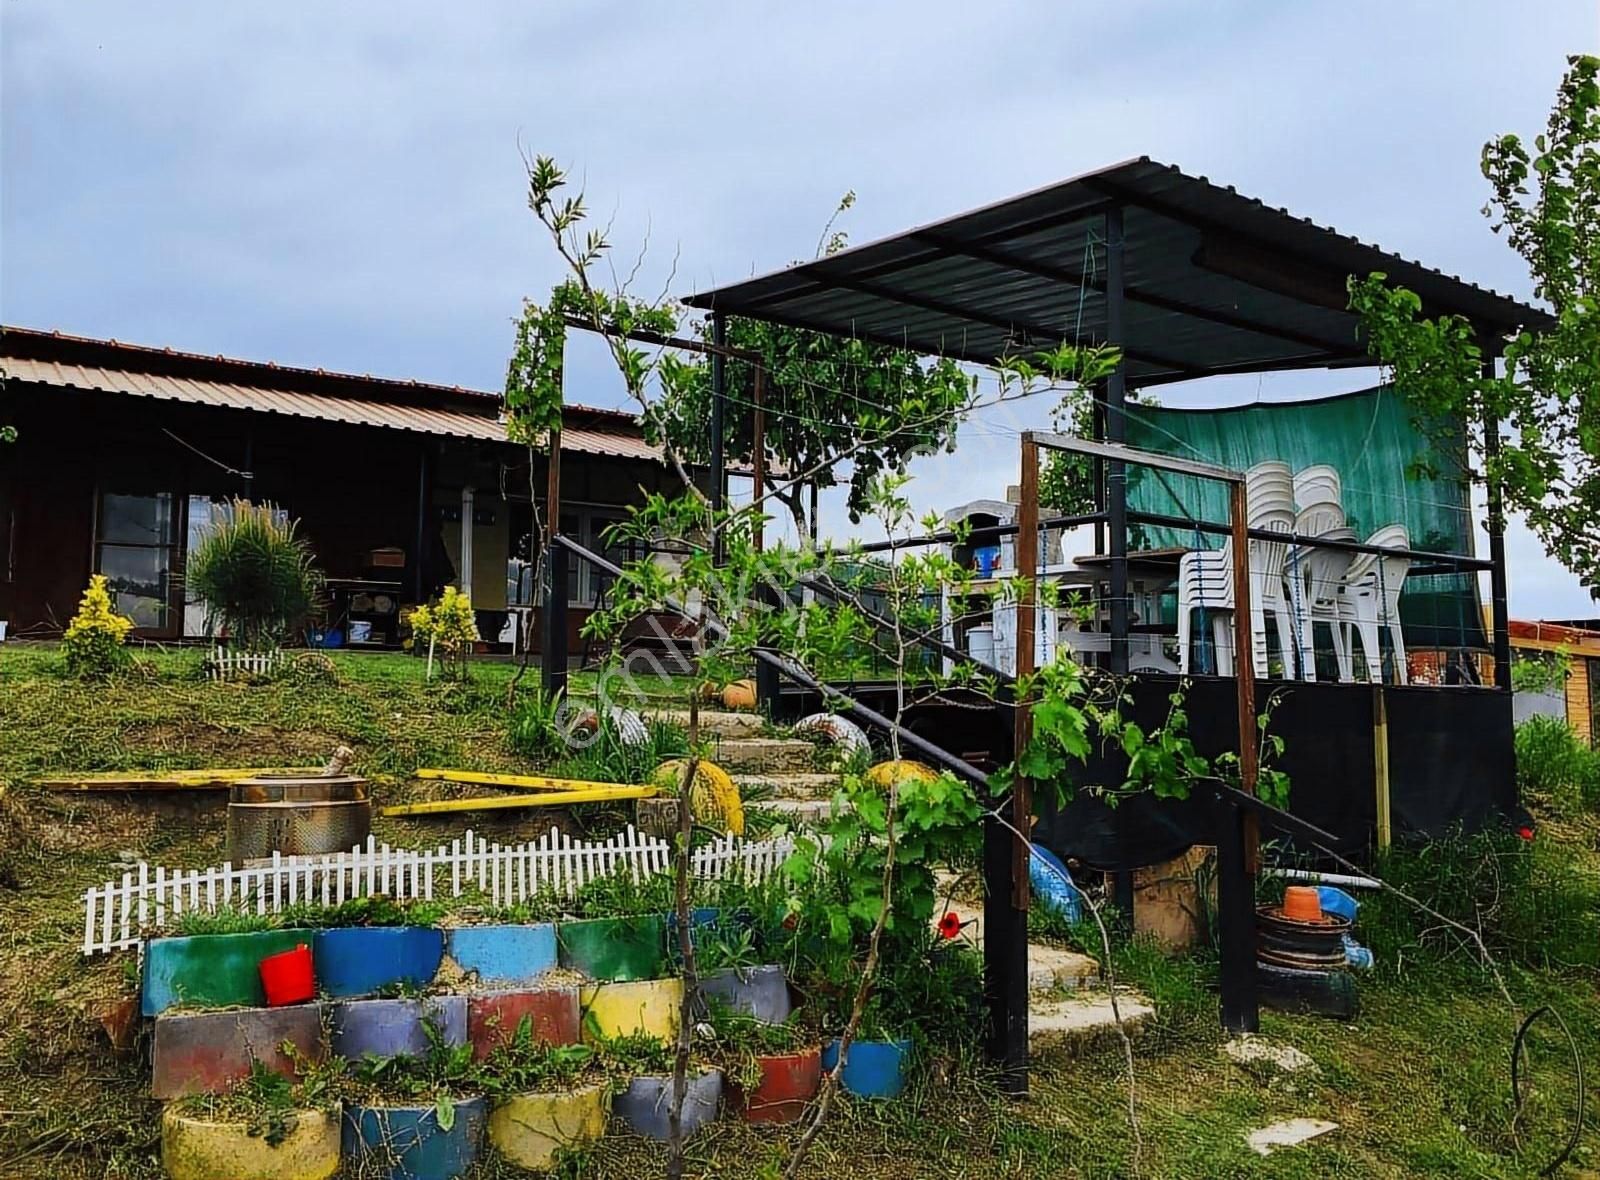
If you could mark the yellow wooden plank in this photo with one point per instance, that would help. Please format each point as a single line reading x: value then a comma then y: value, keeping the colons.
x: 600, y: 793
x: 167, y: 780
x: 535, y: 782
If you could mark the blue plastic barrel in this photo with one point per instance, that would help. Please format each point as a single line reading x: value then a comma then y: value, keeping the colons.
x: 873, y: 1069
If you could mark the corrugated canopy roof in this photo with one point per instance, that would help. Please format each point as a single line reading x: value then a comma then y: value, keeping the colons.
x: 1216, y: 282
x: 107, y: 366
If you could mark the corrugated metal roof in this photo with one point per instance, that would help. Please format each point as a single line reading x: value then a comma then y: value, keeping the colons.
x: 1215, y: 282
x: 447, y: 420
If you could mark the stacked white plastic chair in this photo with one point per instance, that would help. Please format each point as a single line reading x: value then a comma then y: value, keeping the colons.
x: 1370, y: 603
x: 1205, y: 577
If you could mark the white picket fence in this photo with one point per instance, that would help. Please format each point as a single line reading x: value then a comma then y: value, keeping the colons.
x: 118, y: 914
x: 223, y: 664
x: 730, y: 856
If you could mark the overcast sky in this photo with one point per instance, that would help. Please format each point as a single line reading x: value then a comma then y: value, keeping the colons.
x: 339, y: 185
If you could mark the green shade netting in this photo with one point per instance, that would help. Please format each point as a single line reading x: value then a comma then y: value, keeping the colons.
x: 1370, y: 439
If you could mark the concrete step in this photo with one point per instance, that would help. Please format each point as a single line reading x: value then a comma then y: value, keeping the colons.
x: 759, y: 755
x: 714, y: 722
x: 797, y: 812
x: 1085, y: 1020
x: 1051, y: 969
x: 791, y: 785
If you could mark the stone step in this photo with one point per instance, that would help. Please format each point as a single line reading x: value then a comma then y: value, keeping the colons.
x: 1051, y: 969
x: 1084, y: 1020
x: 797, y: 812
x: 759, y: 755
x: 714, y: 722
x: 793, y: 785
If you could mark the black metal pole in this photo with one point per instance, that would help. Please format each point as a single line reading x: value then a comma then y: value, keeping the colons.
x: 1499, y: 602
x: 1236, y: 918
x: 1116, y: 432
x: 1005, y: 928
x: 419, y: 558
x: 553, y: 659
x: 719, y: 376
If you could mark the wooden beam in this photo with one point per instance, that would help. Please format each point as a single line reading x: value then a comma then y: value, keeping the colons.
x: 170, y: 780
x: 609, y: 793
x: 537, y: 782
x: 1380, y: 768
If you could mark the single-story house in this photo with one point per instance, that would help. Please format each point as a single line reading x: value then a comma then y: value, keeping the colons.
x: 400, y: 487
x: 1571, y: 646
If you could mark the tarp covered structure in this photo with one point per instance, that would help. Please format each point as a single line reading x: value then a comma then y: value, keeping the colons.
x: 1370, y: 438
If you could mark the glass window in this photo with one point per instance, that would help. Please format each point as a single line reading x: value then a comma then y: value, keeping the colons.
x: 137, y: 577
x: 136, y: 550
x: 136, y: 520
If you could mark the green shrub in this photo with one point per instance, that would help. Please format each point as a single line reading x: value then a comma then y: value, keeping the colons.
x: 1555, y: 766
x: 533, y: 732
x: 254, y: 574
x: 93, y: 640
x: 1535, y: 903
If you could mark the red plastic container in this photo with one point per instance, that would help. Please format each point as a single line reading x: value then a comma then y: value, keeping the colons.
x: 287, y: 978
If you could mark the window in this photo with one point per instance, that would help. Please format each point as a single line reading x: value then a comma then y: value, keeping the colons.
x: 136, y: 549
x: 585, y: 583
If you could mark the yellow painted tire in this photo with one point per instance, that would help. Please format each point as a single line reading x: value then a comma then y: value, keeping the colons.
x: 199, y: 1149
x: 529, y: 1129
x: 713, y: 797
x: 741, y: 694
x: 649, y: 1006
x: 886, y: 774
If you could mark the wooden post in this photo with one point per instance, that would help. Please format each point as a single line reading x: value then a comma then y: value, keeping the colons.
x: 1380, y: 767
x: 1244, y: 668
x: 1238, y: 834
x: 1499, y: 610
x: 1116, y: 429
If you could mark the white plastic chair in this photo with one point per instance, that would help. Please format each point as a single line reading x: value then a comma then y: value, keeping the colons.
x: 1205, y: 577
x: 1370, y: 602
x: 1316, y: 579
x: 1318, y: 483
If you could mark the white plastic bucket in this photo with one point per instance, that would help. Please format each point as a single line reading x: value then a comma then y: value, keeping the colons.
x: 980, y: 643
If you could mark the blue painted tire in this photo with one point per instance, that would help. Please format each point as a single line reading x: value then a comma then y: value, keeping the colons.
x: 874, y: 1069
x: 361, y: 960
x: 393, y: 1028
x: 761, y: 992
x: 407, y: 1143
x: 503, y: 955
x: 647, y: 1101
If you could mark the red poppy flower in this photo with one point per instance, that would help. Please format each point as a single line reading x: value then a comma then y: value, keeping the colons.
x: 950, y: 924
x: 1525, y: 832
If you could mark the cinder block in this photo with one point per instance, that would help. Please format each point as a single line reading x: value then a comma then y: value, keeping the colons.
x: 206, y: 1052
x: 493, y: 1017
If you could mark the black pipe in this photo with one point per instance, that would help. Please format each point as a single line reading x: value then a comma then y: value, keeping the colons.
x: 1454, y: 562
x: 991, y: 532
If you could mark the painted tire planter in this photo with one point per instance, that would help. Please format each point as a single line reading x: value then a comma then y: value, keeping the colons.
x: 390, y: 1028
x: 789, y: 1082
x: 836, y: 731
x: 529, y: 1129
x: 647, y: 1102
x: 493, y: 1017
x: 874, y: 1069
x: 360, y: 960
x: 211, y: 970
x: 614, y: 949
x: 761, y: 992
x: 207, y: 1052
x: 503, y: 955
x: 648, y: 1006
x: 198, y: 1149
x: 407, y: 1143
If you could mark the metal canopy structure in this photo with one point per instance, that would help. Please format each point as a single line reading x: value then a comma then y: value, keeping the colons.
x: 1216, y: 282
x: 1188, y: 279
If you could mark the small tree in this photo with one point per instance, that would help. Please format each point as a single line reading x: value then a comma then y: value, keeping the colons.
x: 447, y: 628
x: 94, y: 640
x: 255, y: 575
x: 1548, y: 462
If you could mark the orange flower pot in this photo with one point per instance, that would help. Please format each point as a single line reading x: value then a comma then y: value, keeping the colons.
x: 1302, y: 903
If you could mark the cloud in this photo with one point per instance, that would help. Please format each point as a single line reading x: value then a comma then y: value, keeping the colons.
x: 339, y: 184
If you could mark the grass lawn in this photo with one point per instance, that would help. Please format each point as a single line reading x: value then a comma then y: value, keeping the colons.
x: 1419, y: 1083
